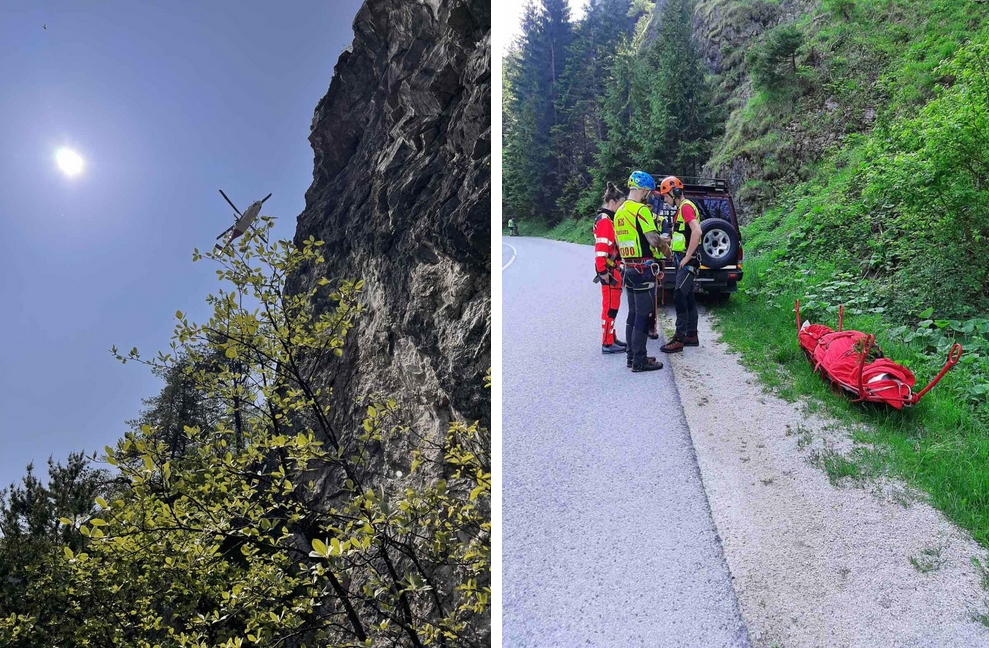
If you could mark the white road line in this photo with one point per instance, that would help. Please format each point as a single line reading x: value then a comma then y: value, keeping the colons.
x: 512, y: 260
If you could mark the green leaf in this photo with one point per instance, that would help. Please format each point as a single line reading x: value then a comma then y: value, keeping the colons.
x: 230, y: 352
x: 320, y: 547
x: 927, y: 313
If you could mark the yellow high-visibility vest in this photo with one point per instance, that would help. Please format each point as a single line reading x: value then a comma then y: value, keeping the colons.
x: 632, y: 221
x: 679, y: 241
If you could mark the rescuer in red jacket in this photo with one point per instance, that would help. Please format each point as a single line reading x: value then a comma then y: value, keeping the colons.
x: 606, y: 264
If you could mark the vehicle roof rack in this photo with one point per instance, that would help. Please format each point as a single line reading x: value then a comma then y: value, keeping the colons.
x: 696, y: 184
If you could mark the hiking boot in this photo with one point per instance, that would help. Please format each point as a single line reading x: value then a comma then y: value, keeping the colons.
x: 648, y: 359
x: 650, y: 365
x: 620, y: 343
x: 653, y: 335
x: 675, y: 345
x: 612, y: 348
x: 691, y: 339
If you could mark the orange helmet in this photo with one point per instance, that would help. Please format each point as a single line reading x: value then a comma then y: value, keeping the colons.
x: 670, y: 183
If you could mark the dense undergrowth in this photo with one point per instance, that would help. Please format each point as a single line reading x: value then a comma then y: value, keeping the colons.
x: 850, y: 66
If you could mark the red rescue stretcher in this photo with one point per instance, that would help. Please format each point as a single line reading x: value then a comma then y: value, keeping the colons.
x: 841, y: 357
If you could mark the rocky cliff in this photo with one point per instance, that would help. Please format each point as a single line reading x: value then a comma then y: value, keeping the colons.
x: 401, y: 195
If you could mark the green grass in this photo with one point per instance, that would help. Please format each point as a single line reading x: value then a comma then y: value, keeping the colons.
x: 929, y: 559
x: 941, y: 446
x: 837, y: 466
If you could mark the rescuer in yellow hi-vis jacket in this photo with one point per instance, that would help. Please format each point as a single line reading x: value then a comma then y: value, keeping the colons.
x: 686, y: 237
x: 638, y: 244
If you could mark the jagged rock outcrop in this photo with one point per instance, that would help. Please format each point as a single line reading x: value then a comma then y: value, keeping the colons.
x: 401, y: 196
x: 725, y: 31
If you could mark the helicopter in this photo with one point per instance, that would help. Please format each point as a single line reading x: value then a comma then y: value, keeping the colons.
x: 244, y: 221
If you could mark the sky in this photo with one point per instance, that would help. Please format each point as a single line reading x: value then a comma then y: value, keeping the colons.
x: 508, y: 20
x: 166, y: 103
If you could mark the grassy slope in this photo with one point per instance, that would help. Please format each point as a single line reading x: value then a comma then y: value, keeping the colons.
x: 814, y: 242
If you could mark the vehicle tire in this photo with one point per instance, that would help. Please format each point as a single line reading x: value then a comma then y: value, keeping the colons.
x: 719, y: 243
x: 720, y: 297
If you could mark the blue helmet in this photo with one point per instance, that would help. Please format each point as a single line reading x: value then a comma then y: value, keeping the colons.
x: 641, y: 180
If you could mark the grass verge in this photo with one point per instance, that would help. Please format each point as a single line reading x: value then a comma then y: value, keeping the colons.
x: 941, y: 446
x: 570, y: 230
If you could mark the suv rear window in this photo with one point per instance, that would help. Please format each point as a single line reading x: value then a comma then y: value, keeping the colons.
x: 716, y: 207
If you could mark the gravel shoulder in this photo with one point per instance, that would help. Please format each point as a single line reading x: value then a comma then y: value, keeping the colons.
x: 816, y: 564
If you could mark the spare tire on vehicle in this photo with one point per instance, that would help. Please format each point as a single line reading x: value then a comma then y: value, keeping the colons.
x: 719, y: 243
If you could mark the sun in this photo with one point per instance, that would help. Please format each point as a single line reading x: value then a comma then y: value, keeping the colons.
x: 69, y: 161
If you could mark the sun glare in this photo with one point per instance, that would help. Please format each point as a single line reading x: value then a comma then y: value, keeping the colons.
x: 69, y: 161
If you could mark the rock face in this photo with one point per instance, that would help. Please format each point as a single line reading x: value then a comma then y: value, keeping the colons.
x: 401, y: 194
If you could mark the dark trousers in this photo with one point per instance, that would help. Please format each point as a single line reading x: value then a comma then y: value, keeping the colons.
x: 641, y: 302
x: 685, y: 302
x: 651, y: 324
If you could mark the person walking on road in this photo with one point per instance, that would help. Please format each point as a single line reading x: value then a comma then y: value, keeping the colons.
x: 638, y: 241
x: 686, y: 236
x: 513, y: 229
x: 606, y: 264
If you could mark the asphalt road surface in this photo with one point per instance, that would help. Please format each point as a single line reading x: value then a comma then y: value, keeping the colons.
x: 607, y: 535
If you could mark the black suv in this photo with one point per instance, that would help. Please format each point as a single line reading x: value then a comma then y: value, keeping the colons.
x: 720, y: 248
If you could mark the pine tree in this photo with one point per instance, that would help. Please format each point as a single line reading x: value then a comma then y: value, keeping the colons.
x: 33, y: 536
x: 589, y: 60
x: 179, y: 405
x: 680, y: 102
x: 623, y: 106
x: 522, y: 157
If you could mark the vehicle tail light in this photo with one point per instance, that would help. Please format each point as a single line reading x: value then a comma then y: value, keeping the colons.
x: 738, y: 262
x: 733, y: 275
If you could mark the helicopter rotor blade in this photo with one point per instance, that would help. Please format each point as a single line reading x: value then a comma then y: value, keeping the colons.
x: 229, y: 202
x: 224, y: 232
x: 265, y: 198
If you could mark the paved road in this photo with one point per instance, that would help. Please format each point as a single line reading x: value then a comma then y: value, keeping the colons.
x: 607, y: 535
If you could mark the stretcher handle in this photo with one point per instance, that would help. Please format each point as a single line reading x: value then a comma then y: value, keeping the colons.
x: 954, y: 355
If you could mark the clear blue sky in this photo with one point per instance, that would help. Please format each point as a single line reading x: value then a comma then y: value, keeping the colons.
x: 166, y: 102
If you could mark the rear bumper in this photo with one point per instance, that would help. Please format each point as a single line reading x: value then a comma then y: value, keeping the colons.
x: 708, y: 280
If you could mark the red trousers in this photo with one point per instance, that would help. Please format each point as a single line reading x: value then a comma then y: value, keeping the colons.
x: 611, y: 300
